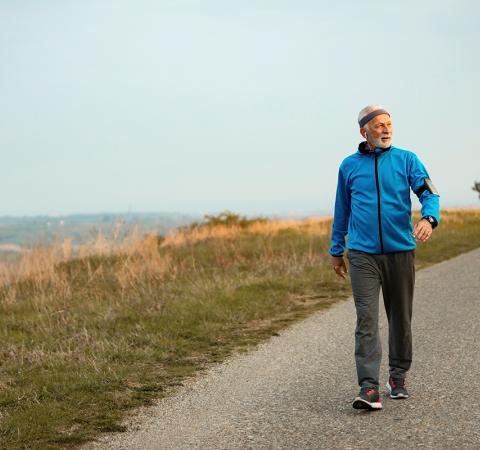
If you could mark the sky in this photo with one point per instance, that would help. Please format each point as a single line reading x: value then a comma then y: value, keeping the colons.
x: 198, y: 106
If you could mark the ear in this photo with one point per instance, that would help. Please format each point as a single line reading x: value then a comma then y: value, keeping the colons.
x: 363, y: 132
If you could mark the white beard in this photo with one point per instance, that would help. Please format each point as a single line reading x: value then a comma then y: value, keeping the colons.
x: 379, y: 143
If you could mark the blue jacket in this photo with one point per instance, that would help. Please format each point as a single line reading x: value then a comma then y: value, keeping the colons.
x: 373, y: 203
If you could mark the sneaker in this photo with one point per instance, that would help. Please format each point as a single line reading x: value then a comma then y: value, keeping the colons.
x: 369, y: 398
x: 397, y: 389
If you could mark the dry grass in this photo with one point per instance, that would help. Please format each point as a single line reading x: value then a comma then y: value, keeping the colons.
x: 89, y: 332
x: 141, y: 254
x: 315, y: 226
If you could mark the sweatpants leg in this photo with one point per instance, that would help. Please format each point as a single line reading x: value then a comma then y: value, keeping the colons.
x: 366, y: 279
x: 398, y: 280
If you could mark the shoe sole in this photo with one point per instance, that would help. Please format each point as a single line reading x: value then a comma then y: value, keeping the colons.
x: 360, y: 403
x: 399, y: 396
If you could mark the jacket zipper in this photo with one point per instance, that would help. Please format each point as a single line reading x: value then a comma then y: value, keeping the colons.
x: 378, y: 202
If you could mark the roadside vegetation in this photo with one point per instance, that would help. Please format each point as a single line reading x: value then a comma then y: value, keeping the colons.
x: 88, y: 335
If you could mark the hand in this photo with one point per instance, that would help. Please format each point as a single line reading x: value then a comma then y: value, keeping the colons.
x: 422, y: 230
x: 339, y: 266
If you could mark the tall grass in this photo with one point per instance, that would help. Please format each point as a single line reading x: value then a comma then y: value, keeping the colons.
x: 89, y: 333
x: 142, y: 255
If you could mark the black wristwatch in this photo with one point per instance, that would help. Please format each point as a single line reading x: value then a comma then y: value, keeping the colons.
x: 432, y: 220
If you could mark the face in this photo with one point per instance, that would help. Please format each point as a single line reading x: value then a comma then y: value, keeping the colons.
x: 378, y: 131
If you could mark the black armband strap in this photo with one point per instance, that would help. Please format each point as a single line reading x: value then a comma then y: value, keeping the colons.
x: 427, y: 186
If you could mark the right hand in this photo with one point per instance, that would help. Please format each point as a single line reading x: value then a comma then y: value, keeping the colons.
x: 339, y: 266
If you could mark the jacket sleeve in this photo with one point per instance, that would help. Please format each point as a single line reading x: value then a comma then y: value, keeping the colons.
x: 419, y: 180
x: 341, y: 216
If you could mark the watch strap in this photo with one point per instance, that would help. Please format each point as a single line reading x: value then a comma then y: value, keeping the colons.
x: 433, y: 222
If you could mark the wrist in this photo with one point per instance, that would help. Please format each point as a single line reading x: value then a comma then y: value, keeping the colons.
x: 431, y: 220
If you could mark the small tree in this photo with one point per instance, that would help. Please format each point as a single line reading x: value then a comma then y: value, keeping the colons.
x: 476, y: 187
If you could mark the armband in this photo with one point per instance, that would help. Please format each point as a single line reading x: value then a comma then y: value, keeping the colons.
x: 427, y: 186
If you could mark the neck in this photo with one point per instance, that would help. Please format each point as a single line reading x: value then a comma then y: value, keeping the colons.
x: 365, y: 147
x: 372, y: 147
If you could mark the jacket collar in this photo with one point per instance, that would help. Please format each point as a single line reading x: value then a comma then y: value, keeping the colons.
x: 365, y: 149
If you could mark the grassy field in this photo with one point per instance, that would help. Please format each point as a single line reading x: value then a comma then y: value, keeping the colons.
x: 87, y: 337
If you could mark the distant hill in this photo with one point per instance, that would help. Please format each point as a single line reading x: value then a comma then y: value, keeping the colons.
x: 19, y: 232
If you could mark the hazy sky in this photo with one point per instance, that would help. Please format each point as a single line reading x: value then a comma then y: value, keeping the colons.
x: 204, y: 105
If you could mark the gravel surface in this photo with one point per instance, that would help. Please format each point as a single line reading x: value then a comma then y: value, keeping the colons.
x: 295, y: 390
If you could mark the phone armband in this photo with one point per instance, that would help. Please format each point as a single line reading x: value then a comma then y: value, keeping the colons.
x: 427, y: 186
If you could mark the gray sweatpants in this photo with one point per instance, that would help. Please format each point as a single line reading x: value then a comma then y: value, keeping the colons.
x: 395, y: 274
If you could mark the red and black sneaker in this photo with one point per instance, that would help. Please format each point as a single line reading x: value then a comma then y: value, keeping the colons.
x: 369, y: 398
x: 397, y: 389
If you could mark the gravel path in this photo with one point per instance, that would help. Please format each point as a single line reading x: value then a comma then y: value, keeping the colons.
x: 295, y: 390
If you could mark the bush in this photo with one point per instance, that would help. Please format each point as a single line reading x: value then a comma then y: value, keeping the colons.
x: 227, y: 218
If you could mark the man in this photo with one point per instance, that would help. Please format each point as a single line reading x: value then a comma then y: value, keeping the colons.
x: 373, y: 208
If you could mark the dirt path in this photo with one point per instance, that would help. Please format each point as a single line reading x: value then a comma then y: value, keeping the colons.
x: 295, y: 391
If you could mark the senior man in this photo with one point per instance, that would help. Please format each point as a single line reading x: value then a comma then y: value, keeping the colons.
x: 373, y: 208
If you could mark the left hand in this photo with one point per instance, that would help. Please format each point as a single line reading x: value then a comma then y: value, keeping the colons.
x: 422, y: 230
